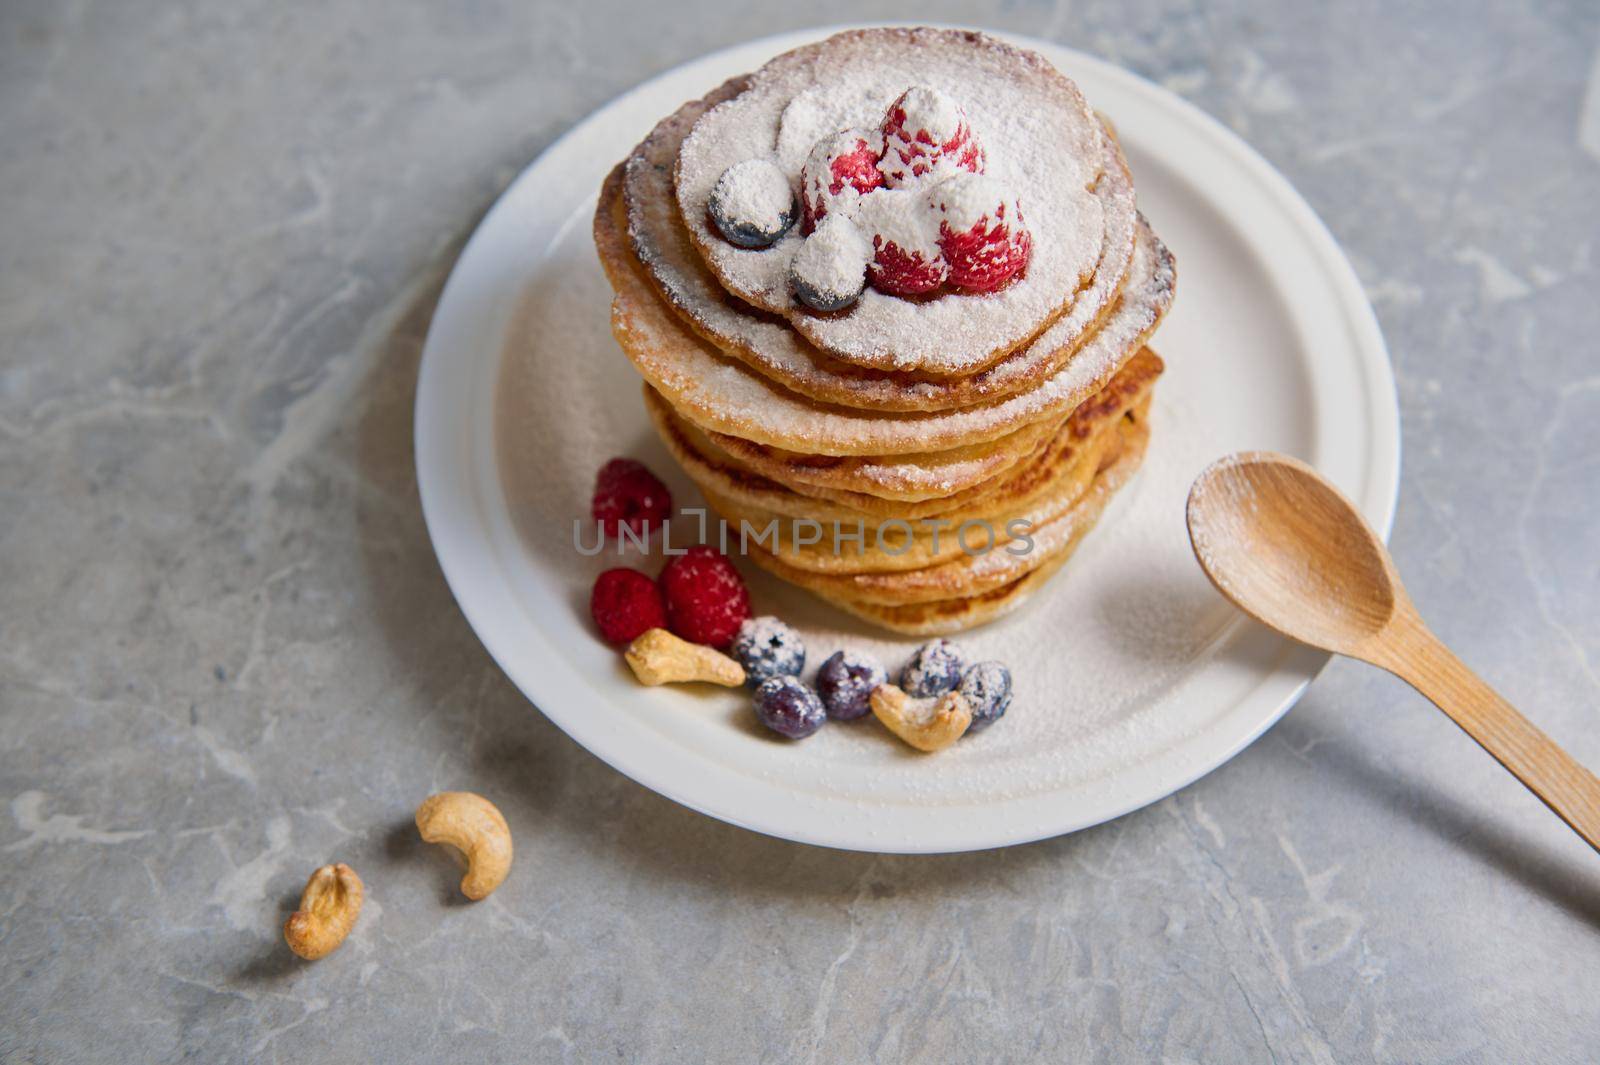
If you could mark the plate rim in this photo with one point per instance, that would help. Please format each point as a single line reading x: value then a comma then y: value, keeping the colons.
x: 434, y: 452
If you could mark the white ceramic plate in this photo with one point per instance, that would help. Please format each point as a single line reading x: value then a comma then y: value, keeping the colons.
x: 1132, y: 677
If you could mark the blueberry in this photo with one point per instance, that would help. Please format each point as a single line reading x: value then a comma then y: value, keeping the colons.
x: 822, y: 300
x: 788, y: 707
x: 987, y: 689
x: 933, y: 670
x: 753, y: 204
x: 830, y: 269
x: 766, y: 647
x: 845, y: 682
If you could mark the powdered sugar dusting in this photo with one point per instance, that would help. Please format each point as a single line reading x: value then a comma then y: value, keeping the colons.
x: 1039, y: 134
x: 903, y: 228
x: 924, y: 132
x: 729, y: 398
x: 904, y: 479
x: 813, y: 114
x: 661, y: 243
x: 755, y: 192
x: 840, y: 170
x: 1093, y: 656
x: 965, y: 200
x: 834, y: 258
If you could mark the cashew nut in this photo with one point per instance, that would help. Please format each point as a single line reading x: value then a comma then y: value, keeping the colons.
x: 658, y: 657
x: 328, y: 910
x: 471, y: 824
x: 926, y: 724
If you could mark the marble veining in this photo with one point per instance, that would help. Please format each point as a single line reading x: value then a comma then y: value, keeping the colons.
x: 227, y: 655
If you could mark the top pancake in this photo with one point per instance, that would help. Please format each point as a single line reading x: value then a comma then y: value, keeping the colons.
x: 725, y: 396
x: 1039, y: 136
x: 769, y: 345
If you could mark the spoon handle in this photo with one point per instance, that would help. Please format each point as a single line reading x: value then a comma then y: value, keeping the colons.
x: 1564, y: 785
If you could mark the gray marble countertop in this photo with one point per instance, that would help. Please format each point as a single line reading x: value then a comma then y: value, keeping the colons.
x: 229, y: 656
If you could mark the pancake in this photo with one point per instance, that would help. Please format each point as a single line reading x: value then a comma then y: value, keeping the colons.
x: 969, y: 442
x: 961, y: 575
x: 1046, y: 490
x: 722, y: 395
x: 936, y: 617
x: 1038, y: 490
x: 765, y: 343
x: 1020, y: 108
x: 919, y: 477
x: 694, y: 448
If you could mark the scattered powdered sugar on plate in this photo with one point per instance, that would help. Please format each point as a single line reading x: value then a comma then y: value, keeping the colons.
x: 1039, y: 136
x: 1093, y: 655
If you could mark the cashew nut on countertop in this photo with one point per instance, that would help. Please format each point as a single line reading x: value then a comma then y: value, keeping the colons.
x: 472, y: 825
x: 328, y: 910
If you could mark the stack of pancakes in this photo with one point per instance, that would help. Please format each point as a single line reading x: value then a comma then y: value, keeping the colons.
x: 951, y: 452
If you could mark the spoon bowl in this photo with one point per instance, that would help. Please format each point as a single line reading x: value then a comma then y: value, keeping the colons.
x: 1290, y: 550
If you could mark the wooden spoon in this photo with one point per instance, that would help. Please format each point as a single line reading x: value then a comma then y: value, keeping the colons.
x: 1292, y: 552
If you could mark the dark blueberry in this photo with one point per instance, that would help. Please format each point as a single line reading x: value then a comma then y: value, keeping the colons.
x: 987, y: 689
x: 753, y: 204
x: 766, y: 647
x: 788, y: 707
x: 845, y: 682
x: 820, y: 300
x: 830, y: 269
x: 933, y: 670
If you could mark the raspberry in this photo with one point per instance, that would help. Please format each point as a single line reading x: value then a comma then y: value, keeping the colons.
x: 706, y: 597
x: 926, y: 133
x: 906, y: 260
x: 840, y: 169
x: 981, y: 231
x: 626, y: 493
x: 625, y: 603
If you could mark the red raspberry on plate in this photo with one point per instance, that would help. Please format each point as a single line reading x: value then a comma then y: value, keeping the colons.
x: 927, y: 133
x: 839, y: 169
x: 906, y: 260
x: 981, y: 231
x: 625, y: 603
x: 706, y: 597
x: 626, y: 493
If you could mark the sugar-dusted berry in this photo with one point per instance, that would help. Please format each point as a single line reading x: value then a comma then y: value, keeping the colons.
x: 705, y: 596
x: 788, y: 707
x: 625, y: 603
x: 766, y: 647
x: 926, y: 136
x: 752, y: 203
x: 840, y: 170
x: 830, y: 269
x: 845, y: 682
x: 906, y: 260
x: 986, y: 687
x: 982, y: 234
x: 934, y: 669
x: 628, y: 494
